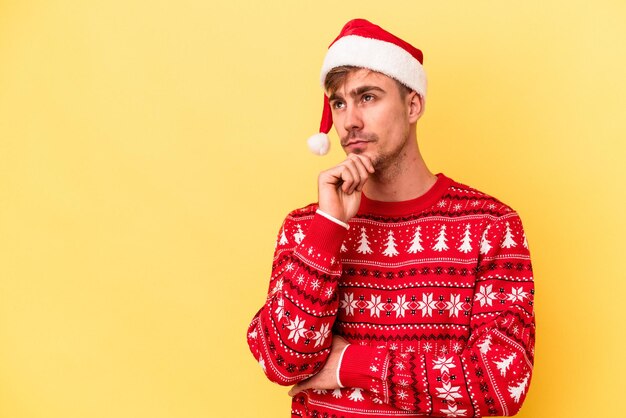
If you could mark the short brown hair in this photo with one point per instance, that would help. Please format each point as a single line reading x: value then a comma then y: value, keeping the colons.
x: 337, y: 76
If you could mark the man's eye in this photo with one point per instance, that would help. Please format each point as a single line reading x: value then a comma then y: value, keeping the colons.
x: 368, y: 98
x: 338, y: 105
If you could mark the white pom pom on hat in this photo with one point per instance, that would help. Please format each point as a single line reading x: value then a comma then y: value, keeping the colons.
x: 319, y: 143
x: 363, y: 44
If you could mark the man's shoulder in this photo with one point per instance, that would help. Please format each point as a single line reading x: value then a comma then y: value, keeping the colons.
x: 303, y: 212
x: 475, y: 201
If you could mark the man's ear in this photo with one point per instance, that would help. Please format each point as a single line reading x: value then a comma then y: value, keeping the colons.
x: 415, y: 106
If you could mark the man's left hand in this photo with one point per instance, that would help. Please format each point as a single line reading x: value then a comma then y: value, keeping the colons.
x: 326, y: 378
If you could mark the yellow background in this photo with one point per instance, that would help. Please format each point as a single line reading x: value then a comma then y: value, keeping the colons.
x: 149, y: 151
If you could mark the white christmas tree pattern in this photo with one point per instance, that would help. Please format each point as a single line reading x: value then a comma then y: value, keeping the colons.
x: 416, y: 244
x: 485, y: 345
x: 485, y: 244
x: 299, y: 235
x: 364, y: 244
x: 525, y: 243
x: 283, y: 238
x: 508, y: 238
x: 516, y: 392
x: 390, y: 250
x: 504, y: 364
x: 466, y: 242
x: 344, y: 249
x: 441, y: 245
x: 356, y: 395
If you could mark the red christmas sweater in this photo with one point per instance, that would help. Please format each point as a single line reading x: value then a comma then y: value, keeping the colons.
x: 434, y: 295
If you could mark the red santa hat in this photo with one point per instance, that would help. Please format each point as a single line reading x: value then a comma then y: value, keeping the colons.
x: 363, y: 44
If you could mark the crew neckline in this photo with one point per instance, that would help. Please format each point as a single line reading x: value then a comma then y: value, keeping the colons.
x: 405, y: 207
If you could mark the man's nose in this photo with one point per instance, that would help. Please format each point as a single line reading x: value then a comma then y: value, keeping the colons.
x: 353, y: 119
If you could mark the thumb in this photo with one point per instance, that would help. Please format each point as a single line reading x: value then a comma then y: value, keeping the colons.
x: 294, y: 390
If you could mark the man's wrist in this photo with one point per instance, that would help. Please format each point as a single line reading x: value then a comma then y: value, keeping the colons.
x: 339, y: 365
x: 332, y: 218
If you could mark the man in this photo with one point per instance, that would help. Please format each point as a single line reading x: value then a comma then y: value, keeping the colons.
x: 400, y: 292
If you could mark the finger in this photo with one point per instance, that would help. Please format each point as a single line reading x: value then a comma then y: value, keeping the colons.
x: 363, y: 173
x: 296, y: 389
x: 348, y: 179
x: 354, y: 173
x: 367, y: 161
x: 331, y: 176
x: 335, y: 177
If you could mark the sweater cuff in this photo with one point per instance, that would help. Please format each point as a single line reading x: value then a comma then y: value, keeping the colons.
x: 324, y: 234
x: 339, y: 366
x: 332, y: 218
x: 362, y: 366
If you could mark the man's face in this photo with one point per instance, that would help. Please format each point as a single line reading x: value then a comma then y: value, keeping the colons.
x: 371, y: 117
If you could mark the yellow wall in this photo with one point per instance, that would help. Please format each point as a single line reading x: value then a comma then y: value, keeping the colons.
x: 150, y: 149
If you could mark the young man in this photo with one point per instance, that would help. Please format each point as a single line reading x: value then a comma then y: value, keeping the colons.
x: 400, y: 292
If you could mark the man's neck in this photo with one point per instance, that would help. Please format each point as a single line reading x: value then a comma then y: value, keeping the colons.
x: 402, y: 180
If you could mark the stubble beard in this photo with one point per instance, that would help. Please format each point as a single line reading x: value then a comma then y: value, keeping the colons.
x: 388, y: 165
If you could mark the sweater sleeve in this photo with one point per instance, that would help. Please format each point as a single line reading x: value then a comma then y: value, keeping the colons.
x: 290, y: 336
x: 491, y: 374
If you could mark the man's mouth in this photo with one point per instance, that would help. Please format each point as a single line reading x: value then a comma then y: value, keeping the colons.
x: 358, y: 138
x: 356, y: 141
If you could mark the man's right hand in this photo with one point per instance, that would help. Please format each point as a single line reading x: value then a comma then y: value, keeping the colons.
x: 339, y: 188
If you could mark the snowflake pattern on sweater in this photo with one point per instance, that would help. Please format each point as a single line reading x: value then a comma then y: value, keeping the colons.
x: 435, y: 296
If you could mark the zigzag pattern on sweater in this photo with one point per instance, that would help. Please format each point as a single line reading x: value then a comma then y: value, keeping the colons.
x: 379, y: 338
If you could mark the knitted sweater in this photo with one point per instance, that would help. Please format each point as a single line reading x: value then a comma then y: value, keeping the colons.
x: 434, y: 295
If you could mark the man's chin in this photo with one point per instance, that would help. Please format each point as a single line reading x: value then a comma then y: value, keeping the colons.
x: 377, y: 160
x: 358, y: 150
